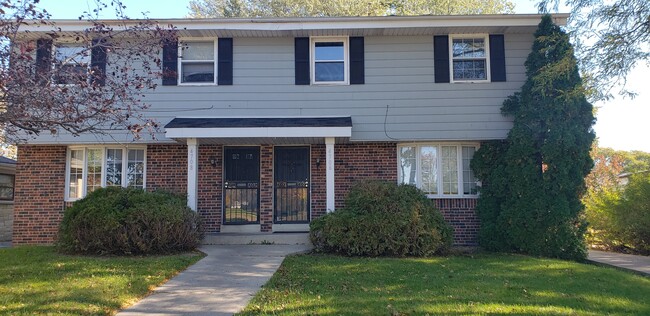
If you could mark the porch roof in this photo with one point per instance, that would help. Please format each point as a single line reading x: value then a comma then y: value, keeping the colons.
x: 228, y: 130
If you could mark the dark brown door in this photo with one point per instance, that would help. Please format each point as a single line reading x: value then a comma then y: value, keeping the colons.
x: 291, y: 176
x: 241, y: 185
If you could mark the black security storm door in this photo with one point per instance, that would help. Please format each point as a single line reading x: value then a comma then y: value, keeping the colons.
x: 241, y: 183
x: 291, y: 185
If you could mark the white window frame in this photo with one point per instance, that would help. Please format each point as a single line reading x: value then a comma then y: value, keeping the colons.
x: 346, y: 59
x: 486, y: 38
x: 179, y: 70
x: 54, y: 60
x: 125, y: 153
x: 459, y: 166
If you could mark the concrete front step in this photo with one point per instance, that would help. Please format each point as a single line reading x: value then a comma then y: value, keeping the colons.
x: 257, y: 239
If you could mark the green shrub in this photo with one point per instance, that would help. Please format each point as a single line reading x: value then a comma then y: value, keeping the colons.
x: 383, y: 219
x: 619, y: 219
x: 129, y: 221
x: 633, y: 213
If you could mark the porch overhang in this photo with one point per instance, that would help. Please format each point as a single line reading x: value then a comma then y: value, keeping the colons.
x: 260, y: 129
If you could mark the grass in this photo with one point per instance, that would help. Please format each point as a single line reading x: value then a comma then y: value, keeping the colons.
x: 455, y: 285
x: 37, y: 281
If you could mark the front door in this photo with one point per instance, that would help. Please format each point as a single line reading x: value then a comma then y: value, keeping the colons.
x: 291, y: 185
x: 241, y: 185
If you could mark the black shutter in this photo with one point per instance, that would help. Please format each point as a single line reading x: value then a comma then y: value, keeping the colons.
x: 225, y: 61
x: 302, y: 60
x: 43, y: 59
x: 357, y: 67
x: 441, y: 58
x: 497, y: 58
x: 98, y: 62
x: 170, y: 63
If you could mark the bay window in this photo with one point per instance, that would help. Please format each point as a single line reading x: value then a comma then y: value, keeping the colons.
x: 89, y: 168
x: 440, y: 170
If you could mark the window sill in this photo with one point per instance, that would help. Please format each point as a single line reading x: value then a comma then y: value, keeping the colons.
x: 6, y: 202
x: 330, y: 83
x: 467, y: 196
x: 471, y: 81
x: 198, y: 84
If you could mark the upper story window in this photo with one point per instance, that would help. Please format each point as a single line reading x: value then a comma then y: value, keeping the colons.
x: 197, y: 62
x: 89, y: 168
x: 329, y: 60
x: 7, y: 183
x: 72, y: 62
x: 469, y: 58
x: 440, y: 170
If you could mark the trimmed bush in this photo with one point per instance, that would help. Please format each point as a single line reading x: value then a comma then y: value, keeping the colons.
x: 128, y: 221
x: 383, y: 219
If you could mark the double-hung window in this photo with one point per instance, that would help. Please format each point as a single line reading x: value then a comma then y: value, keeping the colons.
x: 329, y: 60
x: 440, y: 170
x: 197, y: 61
x: 7, y: 184
x: 72, y: 62
x: 469, y: 58
x: 89, y: 168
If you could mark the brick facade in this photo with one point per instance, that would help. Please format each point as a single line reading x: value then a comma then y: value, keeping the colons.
x: 167, y: 168
x: 210, y: 186
x: 39, y: 194
x: 40, y: 185
x: 461, y: 215
x: 356, y: 162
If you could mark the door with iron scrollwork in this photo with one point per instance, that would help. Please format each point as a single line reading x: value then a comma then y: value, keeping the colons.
x: 291, y: 176
x: 241, y: 185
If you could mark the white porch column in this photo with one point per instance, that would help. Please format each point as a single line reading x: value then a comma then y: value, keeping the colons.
x: 329, y: 173
x: 192, y: 172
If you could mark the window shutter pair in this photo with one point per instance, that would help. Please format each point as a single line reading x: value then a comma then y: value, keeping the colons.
x: 302, y: 63
x: 224, y: 60
x: 441, y: 58
x: 98, y: 59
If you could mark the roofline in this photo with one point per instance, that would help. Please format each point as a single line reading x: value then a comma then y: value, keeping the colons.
x: 315, y: 23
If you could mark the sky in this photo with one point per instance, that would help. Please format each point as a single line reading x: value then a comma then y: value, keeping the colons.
x: 621, y: 123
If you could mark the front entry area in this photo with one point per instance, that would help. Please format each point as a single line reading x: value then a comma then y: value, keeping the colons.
x: 291, y: 185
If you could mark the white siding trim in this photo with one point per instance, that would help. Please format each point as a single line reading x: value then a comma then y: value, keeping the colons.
x: 329, y: 173
x: 252, y: 132
x: 192, y: 172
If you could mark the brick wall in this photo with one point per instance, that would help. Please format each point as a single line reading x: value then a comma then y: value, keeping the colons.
x: 210, y: 186
x: 318, y: 186
x: 266, y: 187
x: 167, y: 168
x: 461, y: 215
x: 356, y: 162
x: 40, y: 187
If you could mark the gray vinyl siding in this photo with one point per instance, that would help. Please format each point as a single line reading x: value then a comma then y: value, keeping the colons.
x: 398, y: 77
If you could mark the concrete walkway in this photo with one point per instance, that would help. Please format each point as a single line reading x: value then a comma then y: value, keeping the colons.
x: 630, y: 262
x: 220, y: 284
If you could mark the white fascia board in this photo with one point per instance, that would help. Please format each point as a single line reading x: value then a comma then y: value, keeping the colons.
x: 250, y: 132
x: 298, y: 24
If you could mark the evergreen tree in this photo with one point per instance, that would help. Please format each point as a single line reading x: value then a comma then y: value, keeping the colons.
x: 533, y: 182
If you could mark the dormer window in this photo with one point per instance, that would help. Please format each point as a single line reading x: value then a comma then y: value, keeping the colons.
x: 197, y: 64
x: 469, y: 58
x: 72, y: 62
x: 329, y: 60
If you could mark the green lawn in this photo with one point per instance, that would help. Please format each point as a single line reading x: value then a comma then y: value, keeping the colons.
x: 456, y: 285
x: 37, y: 280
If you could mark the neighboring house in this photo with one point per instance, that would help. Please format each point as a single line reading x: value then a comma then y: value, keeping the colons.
x: 270, y: 121
x: 7, y: 181
x: 624, y: 178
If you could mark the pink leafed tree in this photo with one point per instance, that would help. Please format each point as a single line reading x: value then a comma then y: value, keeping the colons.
x: 90, y: 79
